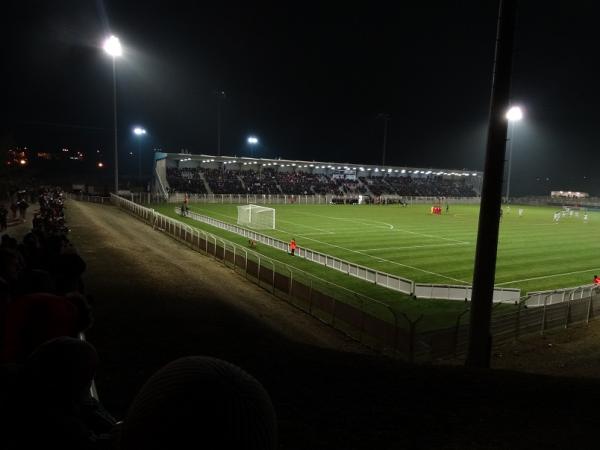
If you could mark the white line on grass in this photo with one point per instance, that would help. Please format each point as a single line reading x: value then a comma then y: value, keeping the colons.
x: 389, y: 225
x: 377, y: 258
x: 411, y: 246
x: 364, y: 254
x: 547, y: 276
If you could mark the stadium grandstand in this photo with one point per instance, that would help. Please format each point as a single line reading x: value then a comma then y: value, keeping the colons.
x: 206, y: 174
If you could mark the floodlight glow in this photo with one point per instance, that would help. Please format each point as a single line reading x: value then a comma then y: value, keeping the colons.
x: 112, y: 46
x: 514, y: 114
x: 403, y: 171
x: 139, y: 131
x: 252, y: 140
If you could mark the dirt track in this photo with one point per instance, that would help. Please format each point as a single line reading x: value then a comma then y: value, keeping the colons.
x: 156, y: 300
x: 218, y: 311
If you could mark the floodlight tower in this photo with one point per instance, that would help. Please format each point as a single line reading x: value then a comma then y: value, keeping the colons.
x: 112, y: 46
x: 386, y: 118
x: 252, y: 142
x: 514, y: 115
x: 139, y: 132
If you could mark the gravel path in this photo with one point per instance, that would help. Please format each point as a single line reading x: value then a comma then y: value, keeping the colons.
x: 185, y: 301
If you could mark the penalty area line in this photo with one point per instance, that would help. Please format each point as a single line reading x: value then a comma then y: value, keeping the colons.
x: 547, y: 276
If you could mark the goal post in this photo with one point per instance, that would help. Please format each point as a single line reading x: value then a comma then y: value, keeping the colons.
x: 255, y: 216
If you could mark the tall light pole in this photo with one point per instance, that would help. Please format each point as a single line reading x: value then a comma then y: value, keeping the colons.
x: 139, y: 132
x: 514, y: 115
x: 252, y: 142
x: 220, y: 96
x: 112, y: 46
x: 386, y: 118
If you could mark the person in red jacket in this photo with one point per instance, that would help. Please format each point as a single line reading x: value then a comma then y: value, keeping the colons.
x: 292, y: 247
x: 596, y: 279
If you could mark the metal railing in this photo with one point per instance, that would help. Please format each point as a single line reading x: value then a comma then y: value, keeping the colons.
x: 363, y: 318
x: 377, y: 277
x: 301, y: 199
x: 463, y: 292
x: 384, y: 279
x: 368, y: 320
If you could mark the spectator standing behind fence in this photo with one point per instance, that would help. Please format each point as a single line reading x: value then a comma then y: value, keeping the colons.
x: 22, y: 205
x: 292, y: 247
x: 13, y: 209
x: 3, y: 218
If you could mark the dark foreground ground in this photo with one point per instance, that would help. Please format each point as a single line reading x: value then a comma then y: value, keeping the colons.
x: 155, y: 300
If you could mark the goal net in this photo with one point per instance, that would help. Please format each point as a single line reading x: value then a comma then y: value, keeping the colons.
x: 255, y: 216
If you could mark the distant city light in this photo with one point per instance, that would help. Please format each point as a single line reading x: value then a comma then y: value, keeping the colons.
x: 100, y: 165
x: 514, y: 114
x: 112, y: 46
x: 23, y: 162
x: 252, y: 140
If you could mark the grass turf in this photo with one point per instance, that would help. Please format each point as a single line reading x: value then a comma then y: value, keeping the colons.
x: 534, y: 252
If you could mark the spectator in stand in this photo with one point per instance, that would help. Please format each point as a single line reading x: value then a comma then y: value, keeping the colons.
x: 14, y: 208
x: 3, y: 218
x: 292, y: 247
x: 22, y: 205
x: 200, y: 402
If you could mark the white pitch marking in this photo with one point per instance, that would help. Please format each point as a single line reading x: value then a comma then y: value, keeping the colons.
x: 391, y: 227
x: 411, y: 246
x: 547, y: 276
x: 377, y: 258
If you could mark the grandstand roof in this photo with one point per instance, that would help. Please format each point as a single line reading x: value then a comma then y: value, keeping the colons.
x: 321, y: 165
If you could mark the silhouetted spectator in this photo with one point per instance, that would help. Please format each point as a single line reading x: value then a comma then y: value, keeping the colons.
x: 35, y: 318
x: 200, y: 402
x: 53, y: 408
x: 3, y: 218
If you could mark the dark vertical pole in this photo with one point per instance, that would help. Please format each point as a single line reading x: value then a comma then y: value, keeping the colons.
x: 140, y: 160
x: 220, y: 97
x: 386, y: 118
x: 219, y: 124
x: 385, y: 127
x: 115, y: 119
x: 480, y: 340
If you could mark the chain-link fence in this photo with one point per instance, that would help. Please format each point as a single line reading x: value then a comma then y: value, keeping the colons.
x: 363, y: 318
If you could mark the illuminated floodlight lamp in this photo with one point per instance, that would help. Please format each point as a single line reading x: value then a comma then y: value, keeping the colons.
x: 403, y: 171
x: 112, y: 46
x: 252, y: 140
x: 474, y: 174
x: 514, y: 114
x: 139, y: 131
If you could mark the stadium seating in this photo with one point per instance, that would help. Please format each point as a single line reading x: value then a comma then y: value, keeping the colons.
x: 269, y: 180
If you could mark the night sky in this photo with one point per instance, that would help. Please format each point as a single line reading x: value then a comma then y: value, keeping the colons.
x: 309, y: 81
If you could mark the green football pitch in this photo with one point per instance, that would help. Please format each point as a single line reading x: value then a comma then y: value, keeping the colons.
x: 534, y: 252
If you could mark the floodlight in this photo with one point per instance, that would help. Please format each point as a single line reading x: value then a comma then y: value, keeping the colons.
x: 514, y: 114
x: 139, y: 131
x: 112, y: 46
x: 252, y: 140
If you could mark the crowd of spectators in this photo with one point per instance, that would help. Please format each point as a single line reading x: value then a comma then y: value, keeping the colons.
x: 270, y: 180
x: 47, y: 369
x: 186, y: 180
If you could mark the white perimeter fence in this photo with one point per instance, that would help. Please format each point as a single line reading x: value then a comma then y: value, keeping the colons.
x: 368, y: 320
x: 384, y: 279
x: 268, y: 199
